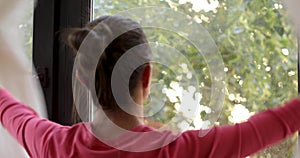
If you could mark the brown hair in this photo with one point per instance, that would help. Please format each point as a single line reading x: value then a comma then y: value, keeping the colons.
x: 111, y: 54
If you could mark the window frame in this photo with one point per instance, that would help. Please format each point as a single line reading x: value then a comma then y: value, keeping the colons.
x: 52, y: 58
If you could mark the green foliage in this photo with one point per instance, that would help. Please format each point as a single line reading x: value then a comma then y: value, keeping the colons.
x: 258, y: 46
x: 26, y: 28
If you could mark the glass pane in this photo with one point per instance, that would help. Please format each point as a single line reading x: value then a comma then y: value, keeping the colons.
x: 259, y: 48
x: 26, y: 28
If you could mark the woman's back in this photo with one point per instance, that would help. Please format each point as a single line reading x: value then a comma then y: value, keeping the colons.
x: 43, y: 138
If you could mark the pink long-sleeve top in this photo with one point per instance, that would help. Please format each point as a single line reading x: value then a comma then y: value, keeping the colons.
x: 44, y: 139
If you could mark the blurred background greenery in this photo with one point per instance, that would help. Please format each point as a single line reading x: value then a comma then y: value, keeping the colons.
x: 26, y: 28
x: 259, y: 47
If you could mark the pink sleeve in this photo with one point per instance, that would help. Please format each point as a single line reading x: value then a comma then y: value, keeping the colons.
x: 244, y: 139
x: 23, y: 123
x: 238, y: 140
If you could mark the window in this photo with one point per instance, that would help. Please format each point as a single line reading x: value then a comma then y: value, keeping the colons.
x: 26, y: 27
x: 52, y: 58
x: 259, y: 49
x: 255, y: 38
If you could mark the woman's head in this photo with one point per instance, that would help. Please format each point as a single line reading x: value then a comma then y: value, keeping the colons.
x: 111, y: 26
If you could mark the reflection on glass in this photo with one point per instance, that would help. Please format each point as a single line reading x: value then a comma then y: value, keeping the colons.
x: 26, y: 28
x: 259, y: 47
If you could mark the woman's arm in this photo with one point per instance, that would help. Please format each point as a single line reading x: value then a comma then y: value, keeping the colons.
x: 24, y: 124
x: 244, y: 139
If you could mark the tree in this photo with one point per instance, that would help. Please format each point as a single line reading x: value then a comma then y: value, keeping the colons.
x: 259, y: 48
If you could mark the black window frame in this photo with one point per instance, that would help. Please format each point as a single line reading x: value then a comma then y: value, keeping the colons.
x: 52, y: 58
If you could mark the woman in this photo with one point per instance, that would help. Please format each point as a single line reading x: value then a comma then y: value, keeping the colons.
x: 43, y: 138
